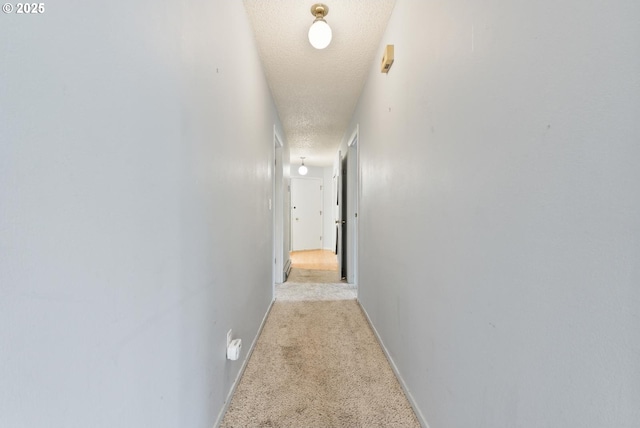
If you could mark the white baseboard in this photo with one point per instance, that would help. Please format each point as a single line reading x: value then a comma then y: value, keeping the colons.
x: 421, y: 418
x: 227, y: 402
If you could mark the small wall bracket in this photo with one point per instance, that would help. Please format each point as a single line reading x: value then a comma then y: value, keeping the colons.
x: 387, y: 59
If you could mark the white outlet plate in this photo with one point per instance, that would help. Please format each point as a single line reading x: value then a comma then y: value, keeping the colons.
x: 229, y: 336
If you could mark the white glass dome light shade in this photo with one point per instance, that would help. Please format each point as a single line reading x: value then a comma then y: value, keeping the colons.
x: 320, y: 34
x: 303, y: 169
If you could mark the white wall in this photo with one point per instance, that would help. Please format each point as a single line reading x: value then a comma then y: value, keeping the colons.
x: 328, y: 222
x: 500, y: 211
x: 132, y: 193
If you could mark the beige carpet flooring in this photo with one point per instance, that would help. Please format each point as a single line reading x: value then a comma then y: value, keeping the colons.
x: 318, y: 364
x: 292, y: 291
x: 315, y: 284
x: 313, y: 275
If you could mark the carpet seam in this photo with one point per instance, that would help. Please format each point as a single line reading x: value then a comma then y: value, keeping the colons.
x: 421, y: 419
x: 236, y: 381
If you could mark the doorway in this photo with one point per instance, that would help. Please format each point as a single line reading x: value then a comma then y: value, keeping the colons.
x: 310, y: 261
x: 347, y: 180
x: 351, y: 215
x: 314, y: 266
x: 276, y: 204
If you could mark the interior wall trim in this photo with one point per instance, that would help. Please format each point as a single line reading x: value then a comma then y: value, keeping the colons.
x: 414, y: 406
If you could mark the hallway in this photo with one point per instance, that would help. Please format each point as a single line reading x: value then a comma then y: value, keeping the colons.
x: 146, y: 158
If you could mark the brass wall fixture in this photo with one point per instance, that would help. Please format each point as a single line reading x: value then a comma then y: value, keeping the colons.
x: 387, y: 59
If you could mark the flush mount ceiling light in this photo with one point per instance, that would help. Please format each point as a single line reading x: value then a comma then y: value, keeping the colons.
x: 320, y: 32
x: 303, y: 169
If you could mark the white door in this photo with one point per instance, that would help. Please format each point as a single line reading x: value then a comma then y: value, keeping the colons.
x: 306, y: 213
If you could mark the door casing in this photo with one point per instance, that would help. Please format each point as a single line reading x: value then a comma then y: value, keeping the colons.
x: 277, y: 207
x: 352, y: 206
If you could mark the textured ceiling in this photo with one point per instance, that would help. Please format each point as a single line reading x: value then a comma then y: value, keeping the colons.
x: 316, y: 91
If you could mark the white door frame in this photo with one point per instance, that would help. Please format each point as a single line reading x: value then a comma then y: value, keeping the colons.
x: 353, y: 205
x: 337, y: 203
x: 277, y: 206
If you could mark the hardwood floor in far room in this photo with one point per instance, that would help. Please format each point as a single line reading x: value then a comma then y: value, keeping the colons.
x: 314, y: 276
x: 314, y: 260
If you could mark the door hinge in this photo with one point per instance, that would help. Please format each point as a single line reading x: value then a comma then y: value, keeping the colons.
x: 320, y: 187
x: 320, y: 212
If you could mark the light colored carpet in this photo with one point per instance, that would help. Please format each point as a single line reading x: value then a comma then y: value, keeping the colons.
x: 313, y: 275
x: 312, y: 284
x: 292, y: 291
x: 318, y: 364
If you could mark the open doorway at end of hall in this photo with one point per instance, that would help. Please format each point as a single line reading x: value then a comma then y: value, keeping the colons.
x: 310, y: 262
x: 340, y: 264
x: 314, y: 266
